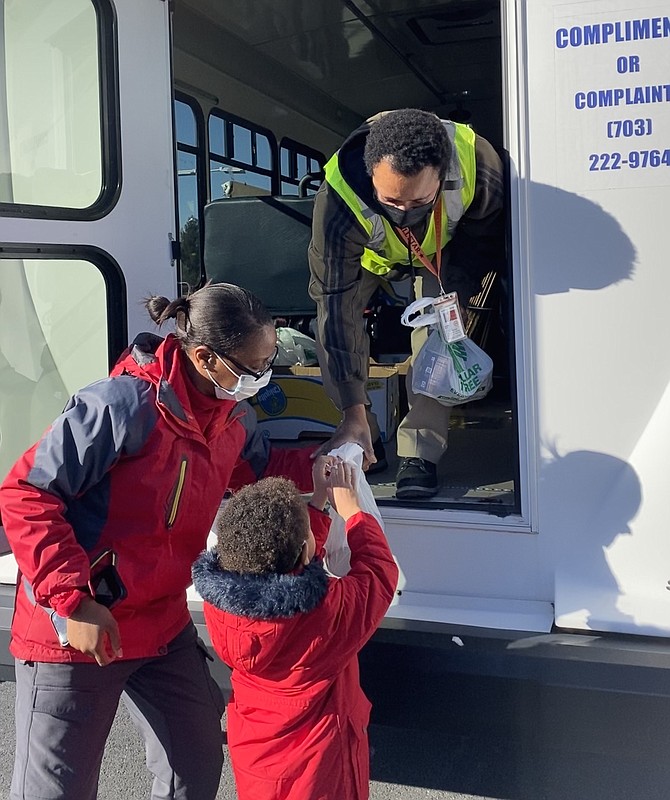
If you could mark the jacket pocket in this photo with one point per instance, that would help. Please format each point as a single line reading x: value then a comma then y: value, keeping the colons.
x: 175, y: 494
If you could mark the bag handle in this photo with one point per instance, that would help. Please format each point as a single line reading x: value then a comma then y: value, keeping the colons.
x: 421, y: 320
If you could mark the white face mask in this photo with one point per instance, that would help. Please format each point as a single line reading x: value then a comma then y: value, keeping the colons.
x: 247, y: 386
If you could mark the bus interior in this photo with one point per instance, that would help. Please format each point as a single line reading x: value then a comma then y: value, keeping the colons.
x: 265, y: 92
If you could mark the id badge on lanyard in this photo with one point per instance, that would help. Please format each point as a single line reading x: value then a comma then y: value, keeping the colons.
x: 446, y: 306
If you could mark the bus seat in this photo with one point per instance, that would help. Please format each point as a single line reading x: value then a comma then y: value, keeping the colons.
x: 261, y: 243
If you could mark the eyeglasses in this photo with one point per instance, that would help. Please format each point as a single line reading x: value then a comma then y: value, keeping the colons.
x: 246, y: 370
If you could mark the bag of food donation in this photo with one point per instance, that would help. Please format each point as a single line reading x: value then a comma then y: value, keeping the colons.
x: 452, y: 372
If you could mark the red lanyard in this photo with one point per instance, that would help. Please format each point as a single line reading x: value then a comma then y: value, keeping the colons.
x: 411, y: 241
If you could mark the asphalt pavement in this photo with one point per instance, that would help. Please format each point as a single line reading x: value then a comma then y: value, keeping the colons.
x: 398, y: 754
x: 492, y: 740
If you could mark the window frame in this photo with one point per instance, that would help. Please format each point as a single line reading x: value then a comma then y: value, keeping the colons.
x: 201, y: 165
x: 110, y: 138
x: 112, y: 274
x: 229, y: 121
x: 295, y: 149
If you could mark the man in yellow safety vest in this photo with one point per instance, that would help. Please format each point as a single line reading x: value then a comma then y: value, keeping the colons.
x: 400, y: 185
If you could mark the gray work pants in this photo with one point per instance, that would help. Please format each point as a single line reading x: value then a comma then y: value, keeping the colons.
x: 64, y: 713
x: 423, y: 432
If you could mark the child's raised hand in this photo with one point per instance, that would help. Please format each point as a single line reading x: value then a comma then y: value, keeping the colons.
x: 320, y: 478
x: 342, y: 490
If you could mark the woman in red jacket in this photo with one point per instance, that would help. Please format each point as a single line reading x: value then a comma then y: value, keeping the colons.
x: 105, y: 516
x: 297, y: 717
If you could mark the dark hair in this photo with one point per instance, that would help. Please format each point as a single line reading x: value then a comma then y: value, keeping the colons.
x: 219, y: 315
x: 262, y: 528
x: 410, y: 140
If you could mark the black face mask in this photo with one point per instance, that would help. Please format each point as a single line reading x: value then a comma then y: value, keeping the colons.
x: 410, y: 217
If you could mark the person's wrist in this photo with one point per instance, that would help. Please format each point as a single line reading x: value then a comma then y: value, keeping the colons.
x: 355, y: 414
x: 66, y: 602
x: 349, y: 512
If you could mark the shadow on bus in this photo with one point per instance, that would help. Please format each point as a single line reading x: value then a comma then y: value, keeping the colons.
x: 515, y: 740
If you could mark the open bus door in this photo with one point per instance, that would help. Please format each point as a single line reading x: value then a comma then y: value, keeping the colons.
x: 573, y: 523
x: 86, y: 203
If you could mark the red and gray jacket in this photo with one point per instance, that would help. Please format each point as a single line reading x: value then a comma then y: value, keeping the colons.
x: 127, y: 467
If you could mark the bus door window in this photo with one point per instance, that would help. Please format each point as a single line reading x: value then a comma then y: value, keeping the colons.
x: 191, y: 187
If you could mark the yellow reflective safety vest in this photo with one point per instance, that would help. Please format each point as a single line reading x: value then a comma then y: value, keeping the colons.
x: 384, y: 249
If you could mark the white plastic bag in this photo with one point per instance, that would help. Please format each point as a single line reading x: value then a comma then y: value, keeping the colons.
x: 295, y: 348
x: 420, y: 320
x: 454, y: 373
x: 337, y: 559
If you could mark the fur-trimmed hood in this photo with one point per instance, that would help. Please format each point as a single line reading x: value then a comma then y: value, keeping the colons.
x: 263, y: 597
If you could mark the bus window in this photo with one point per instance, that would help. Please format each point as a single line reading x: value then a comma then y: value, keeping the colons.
x: 191, y: 187
x: 296, y: 161
x: 263, y: 152
x: 242, y: 157
x: 53, y: 340
x: 58, y: 139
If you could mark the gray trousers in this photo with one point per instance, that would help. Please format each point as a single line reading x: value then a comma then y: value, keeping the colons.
x: 424, y: 430
x: 64, y: 713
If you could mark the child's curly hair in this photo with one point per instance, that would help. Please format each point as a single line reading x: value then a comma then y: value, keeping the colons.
x: 262, y: 528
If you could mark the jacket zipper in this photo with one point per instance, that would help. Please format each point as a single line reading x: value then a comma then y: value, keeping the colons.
x: 176, y: 493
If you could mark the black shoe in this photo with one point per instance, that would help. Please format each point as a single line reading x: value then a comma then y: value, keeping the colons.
x: 416, y: 479
x: 381, y: 463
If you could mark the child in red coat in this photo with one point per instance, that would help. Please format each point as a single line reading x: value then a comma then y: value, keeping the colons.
x: 297, y: 716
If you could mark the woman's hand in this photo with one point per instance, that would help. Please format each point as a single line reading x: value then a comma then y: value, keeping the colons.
x: 92, y: 630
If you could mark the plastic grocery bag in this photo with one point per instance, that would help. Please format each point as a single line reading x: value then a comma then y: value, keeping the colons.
x: 337, y: 558
x: 295, y: 348
x: 454, y: 373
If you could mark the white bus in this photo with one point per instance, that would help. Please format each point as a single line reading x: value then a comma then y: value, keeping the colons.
x: 133, y: 131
